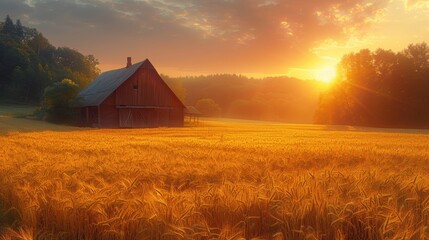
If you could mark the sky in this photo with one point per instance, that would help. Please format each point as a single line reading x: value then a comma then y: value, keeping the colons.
x: 299, y: 38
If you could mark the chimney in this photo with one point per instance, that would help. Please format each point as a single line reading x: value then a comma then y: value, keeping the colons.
x: 129, y: 62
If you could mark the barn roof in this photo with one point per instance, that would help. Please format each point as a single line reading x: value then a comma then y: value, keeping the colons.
x: 105, y: 84
x: 192, y: 110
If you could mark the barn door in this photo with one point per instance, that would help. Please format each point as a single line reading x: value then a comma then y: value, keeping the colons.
x: 125, y: 118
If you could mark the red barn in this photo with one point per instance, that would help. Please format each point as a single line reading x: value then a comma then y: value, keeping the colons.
x: 131, y: 97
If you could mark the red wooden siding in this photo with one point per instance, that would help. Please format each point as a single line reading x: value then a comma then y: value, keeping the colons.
x: 89, y: 116
x: 143, y: 100
x: 109, y: 117
x: 149, y: 117
x: 146, y: 88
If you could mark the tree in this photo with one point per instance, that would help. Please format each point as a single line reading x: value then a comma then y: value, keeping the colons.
x: 76, y: 66
x: 41, y: 63
x: 239, y: 108
x: 380, y: 88
x: 419, y: 56
x: 8, y: 27
x: 208, y: 107
x: 19, y: 30
x: 58, y: 101
x: 39, y: 43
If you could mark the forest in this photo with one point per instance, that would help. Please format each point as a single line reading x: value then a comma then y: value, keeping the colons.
x: 379, y: 88
x: 29, y: 64
x: 281, y: 99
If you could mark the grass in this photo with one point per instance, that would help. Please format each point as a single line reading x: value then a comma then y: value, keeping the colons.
x: 220, y: 180
x: 19, y: 118
x: 10, y: 110
x: 15, y: 125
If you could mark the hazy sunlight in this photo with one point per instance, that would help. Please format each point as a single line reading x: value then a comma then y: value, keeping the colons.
x: 325, y: 74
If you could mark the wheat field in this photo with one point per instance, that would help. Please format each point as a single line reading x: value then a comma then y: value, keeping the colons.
x: 218, y: 180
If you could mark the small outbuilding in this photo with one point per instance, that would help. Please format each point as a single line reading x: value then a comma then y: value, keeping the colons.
x: 192, y: 113
x: 130, y: 97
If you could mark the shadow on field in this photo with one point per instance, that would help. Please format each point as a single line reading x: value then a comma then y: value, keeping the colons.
x: 310, y: 127
x: 15, y: 118
x: 342, y: 128
x: 373, y: 129
x: 9, y: 216
x: 10, y: 124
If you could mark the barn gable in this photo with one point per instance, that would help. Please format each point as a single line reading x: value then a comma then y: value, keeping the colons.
x: 135, y: 96
x: 147, y: 88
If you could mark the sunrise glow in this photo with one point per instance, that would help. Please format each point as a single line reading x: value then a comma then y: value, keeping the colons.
x: 325, y: 74
x: 265, y: 38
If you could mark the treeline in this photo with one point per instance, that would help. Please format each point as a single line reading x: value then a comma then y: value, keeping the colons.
x: 379, y: 88
x: 29, y: 64
x: 270, y: 99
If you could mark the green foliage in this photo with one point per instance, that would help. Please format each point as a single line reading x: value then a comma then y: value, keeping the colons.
x: 19, y: 30
x: 208, y: 107
x: 16, y: 111
x: 39, y: 44
x: 29, y: 63
x: 380, y: 88
x: 58, y: 101
x: 8, y: 27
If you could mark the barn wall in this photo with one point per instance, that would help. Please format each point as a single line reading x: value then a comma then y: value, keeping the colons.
x: 109, y: 117
x: 144, y: 100
x: 82, y: 115
x: 150, y: 117
x: 89, y: 116
x: 146, y: 88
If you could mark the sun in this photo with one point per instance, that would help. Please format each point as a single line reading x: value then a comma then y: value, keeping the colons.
x: 325, y: 74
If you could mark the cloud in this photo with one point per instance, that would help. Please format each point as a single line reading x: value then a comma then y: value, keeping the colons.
x: 416, y: 3
x: 224, y: 35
